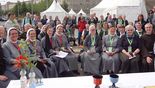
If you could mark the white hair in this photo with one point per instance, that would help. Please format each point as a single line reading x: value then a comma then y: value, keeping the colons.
x: 90, y: 27
x: 129, y: 27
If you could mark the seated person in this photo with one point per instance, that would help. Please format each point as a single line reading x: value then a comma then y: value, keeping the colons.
x: 11, y: 51
x: 69, y: 35
x: 90, y: 58
x: 130, y: 46
x: 63, y: 45
x: 110, y: 55
x: 45, y: 65
x: 50, y: 47
x: 148, y: 46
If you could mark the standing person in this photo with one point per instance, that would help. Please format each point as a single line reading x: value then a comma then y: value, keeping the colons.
x: 148, y: 41
x: 95, y: 19
x: 27, y: 19
x: 44, y: 20
x: 141, y: 19
x: 90, y: 58
x: 81, y: 27
x: 11, y: 22
x: 101, y: 21
x: 110, y: 55
x: 38, y: 29
x: 46, y: 66
x: 73, y: 26
x: 51, y: 21
x: 99, y: 30
x: 85, y: 32
x: 130, y: 48
x: 125, y: 21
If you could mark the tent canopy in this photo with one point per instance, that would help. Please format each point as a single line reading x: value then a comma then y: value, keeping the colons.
x: 55, y: 10
x: 83, y: 13
x: 130, y: 8
x: 71, y: 12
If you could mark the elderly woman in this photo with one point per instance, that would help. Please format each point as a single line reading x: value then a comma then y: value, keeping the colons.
x: 130, y: 48
x: 148, y: 46
x: 90, y: 58
x: 110, y: 59
x: 11, y: 52
x: 63, y: 45
x: 46, y: 66
x: 50, y: 47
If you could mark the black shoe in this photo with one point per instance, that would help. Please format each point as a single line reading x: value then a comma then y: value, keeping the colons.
x: 74, y: 44
x: 66, y: 74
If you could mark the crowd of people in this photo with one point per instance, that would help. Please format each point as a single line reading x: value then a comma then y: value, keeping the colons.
x: 108, y: 45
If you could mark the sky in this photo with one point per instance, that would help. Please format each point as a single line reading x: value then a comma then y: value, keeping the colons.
x: 4, y: 1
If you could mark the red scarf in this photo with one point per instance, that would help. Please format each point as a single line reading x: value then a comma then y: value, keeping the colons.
x: 17, y: 47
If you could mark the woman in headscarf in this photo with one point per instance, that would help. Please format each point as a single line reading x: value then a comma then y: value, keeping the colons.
x: 50, y: 47
x: 11, y: 51
x: 63, y: 45
x: 46, y: 66
x: 130, y: 46
x: 110, y: 59
x: 90, y: 58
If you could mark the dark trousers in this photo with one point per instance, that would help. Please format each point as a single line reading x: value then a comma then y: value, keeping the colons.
x: 129, y: 65
x: 147, y: 67
x: 79, y: 37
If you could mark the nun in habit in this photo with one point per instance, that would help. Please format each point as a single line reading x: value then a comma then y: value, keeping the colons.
x: 11, y: 52
x: 110, y: 58
x: 50, y: 47
x: 63, y: 45
x: 90, y: 58
x: 46, y: 66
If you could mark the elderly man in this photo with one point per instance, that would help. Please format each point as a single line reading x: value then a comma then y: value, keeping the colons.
x: 148, y: 41
x: 2, y: 35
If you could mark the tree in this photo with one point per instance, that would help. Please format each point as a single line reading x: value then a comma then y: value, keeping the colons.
x: 17, y: 9
x: 65, y: 5
x: 24, y: 8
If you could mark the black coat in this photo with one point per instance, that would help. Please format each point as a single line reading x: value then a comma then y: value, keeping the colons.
x: 2, y: 62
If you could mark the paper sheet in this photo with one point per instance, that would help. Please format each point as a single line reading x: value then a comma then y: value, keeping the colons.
x: 61, y: 54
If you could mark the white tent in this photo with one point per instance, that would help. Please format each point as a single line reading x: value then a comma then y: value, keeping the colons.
x: 130, y: 8
x: 81, y: 11
x: 71, y: 12
x: 55, y: 10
